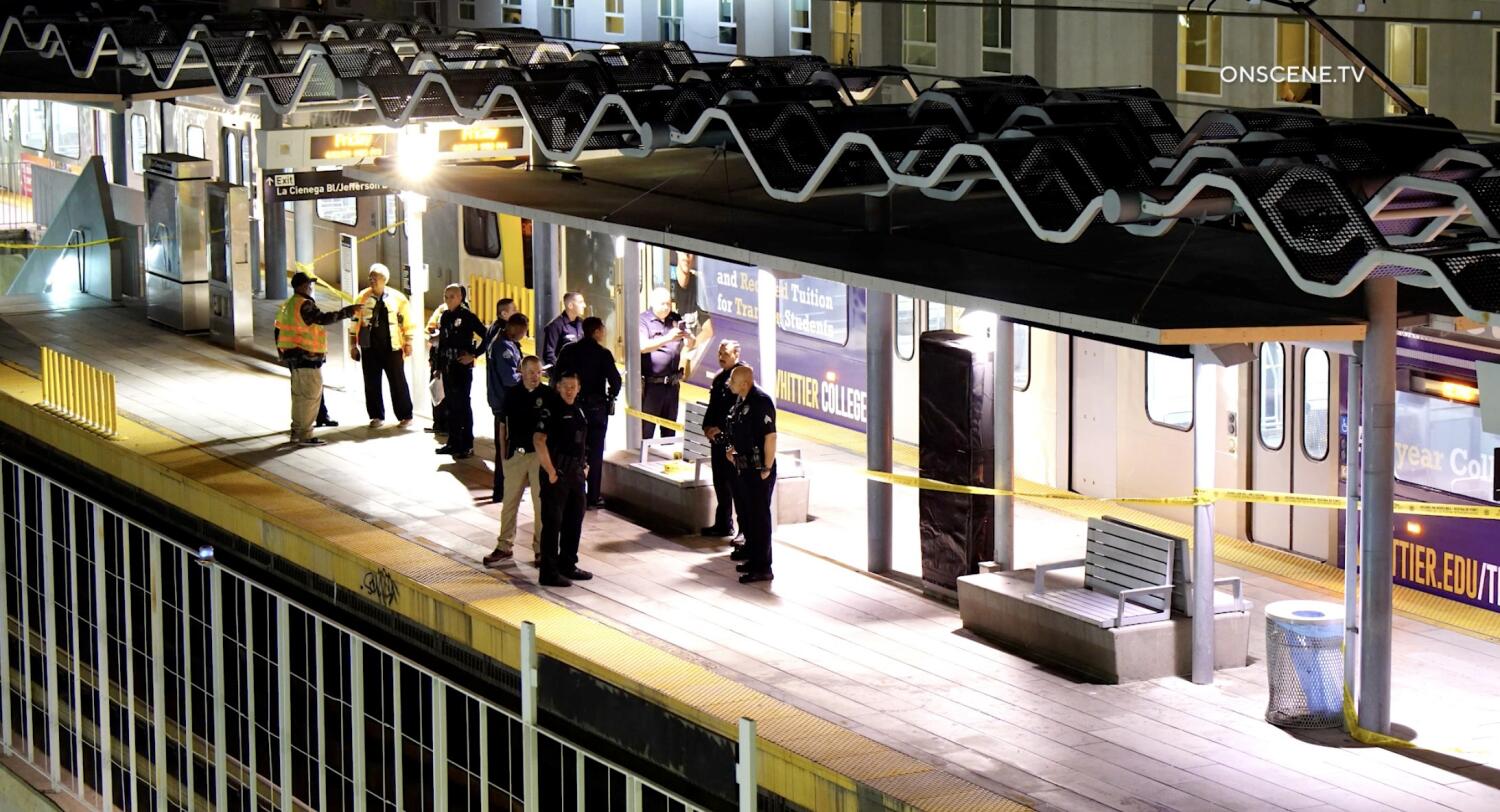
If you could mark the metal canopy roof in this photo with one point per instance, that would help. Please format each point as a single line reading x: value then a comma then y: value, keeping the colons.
x: 1222, y: 288
x: 1334, y: 202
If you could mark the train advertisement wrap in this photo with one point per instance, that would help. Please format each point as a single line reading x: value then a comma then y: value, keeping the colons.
x: 1440, y: 446
x: 820, y: 340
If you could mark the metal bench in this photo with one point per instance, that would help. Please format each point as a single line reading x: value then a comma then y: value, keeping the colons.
x: 1182, y: 589
x: 1127, y: 577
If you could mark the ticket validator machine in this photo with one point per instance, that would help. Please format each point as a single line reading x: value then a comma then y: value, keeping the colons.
x: 177, y: 275
x: 229, y: 266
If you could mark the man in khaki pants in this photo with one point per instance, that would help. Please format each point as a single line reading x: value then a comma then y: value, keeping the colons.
x: 516, y: 450
x: 302, y: 344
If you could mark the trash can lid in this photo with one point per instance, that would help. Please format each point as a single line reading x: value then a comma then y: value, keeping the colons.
x: 1313, y: 613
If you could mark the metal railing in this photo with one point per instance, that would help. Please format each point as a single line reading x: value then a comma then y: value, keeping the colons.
x: 15, y: 196
x: 78, y: 392
x: 484, y: 293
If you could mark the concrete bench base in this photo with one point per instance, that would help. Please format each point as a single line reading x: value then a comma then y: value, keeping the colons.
x: 994, y: 606
x: 672, y: 502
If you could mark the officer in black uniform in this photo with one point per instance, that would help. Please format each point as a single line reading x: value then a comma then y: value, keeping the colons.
x: 752, y: 450
x: 566, y: 329
x: 562, y: 447
x: 599, y: 382
x: 458, y: 331
x: 714, y: 423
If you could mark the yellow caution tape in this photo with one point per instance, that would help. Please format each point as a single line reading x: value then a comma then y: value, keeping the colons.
x: 26, y: 246
x: 651, y: 418
x: 1363, y: 735
x: 307, y: 267
x: 1203, y: 496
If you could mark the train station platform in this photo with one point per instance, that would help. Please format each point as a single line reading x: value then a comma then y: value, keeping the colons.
x: 860, y: 684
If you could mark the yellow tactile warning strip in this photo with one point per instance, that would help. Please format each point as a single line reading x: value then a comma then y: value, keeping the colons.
x: 803, y: 758
x: 1231, y: 550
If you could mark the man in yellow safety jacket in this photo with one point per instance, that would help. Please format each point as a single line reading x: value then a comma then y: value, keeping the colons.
x: 380, y: 340
x: 302, y: 344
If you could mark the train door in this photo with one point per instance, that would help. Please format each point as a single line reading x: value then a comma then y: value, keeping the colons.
x: 1093, y: 415
x: 1290, y: 441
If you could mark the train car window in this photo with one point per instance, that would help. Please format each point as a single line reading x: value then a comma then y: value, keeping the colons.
x: 65, y: 130
x: 33, y: 123
x: 1169, y: 391
x: 1271, y: 371
x: 937, y: 316
x: 1315, y: 395
x: 906, y: 327
x: 7, y: 114
x: 194, y: 142
x: 342, y: 210
x: 140, y: 143
x: 1020, y: 369
x: 481, y: 233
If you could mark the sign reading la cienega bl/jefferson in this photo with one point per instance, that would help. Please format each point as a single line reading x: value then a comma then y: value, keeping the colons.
x: 313, y: 185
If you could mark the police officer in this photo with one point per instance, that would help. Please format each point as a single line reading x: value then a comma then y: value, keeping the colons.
x: 752, y: 450
x: 599, y: 382
x: 662, y: 340
x: 502, y: 374
x: 562, y: 331
x: 458, y: 329
x: 714, y: 420
x: 562, y: 447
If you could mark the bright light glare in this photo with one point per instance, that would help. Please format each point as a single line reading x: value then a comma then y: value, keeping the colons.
x: 417, y: 156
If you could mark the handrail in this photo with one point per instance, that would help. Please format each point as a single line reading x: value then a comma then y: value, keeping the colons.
x: 78, y: 392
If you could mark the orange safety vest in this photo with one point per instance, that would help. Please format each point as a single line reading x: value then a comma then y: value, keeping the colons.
x: 293, y: 334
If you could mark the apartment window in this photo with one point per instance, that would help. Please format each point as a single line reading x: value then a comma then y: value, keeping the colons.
x: 729, y: 27
x: 919, y: 34
x: 341, y: 210
x: 65, y: 129
x: 34, y: 123
x: 614, y: 17
x: 1200, y: 53
x: 140, y: 143
x: 195, y: 145
x: 906, y: 327
x: 1298, y: 47
x: 1406, y: 61
x: 466, y: 9
x: 846, y: 32
x: 995, y: 49
x: 562, y: 18
x: 1169, y: 391
x: 669, y: 19
x: 1315, y: 396
x: 510, y: 12
x: 1271, y: 371
x: 801, y: 26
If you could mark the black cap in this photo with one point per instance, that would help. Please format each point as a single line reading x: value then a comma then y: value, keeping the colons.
x: 299, y: 279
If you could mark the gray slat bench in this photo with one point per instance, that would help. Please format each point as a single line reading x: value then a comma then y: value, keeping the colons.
x: 1127, y: 576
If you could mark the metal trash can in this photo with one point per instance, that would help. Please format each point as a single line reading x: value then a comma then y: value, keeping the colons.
x: 1305, y: 664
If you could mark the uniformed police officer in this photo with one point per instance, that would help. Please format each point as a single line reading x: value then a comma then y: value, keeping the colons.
x: 752, y: 449
x: 599, y: 382
x: 503, y: 374
x: 458, y: 329
x: 562, y: 447
x: 562, y: 331
x: 714, y: 421
x: 662, y: 340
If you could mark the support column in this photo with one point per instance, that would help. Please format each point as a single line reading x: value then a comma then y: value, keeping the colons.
x: 1377, y: 519
x: 119, y: 153
x: 747, y: 772
x: 530, y: 792
x: 415, y: 206
x: 880, y: 327
x: 1205, y: 430
x: 765, y: 307
x: 272, y: 222
x: 1351, y: 517
x: 630, y: 271
x: 547, y: 272
x: 1005, y: 444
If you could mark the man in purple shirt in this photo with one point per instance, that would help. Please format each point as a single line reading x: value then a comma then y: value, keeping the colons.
x: 663, y: 339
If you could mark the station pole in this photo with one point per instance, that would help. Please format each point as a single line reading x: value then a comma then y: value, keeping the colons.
x: 1205, y: 391
x: 546, y: 276
x: 1351, y: 517
x: 272, y: 221
x: 1377, y: 518
x: 415, y: 208
x: 880, y: 323
x: 765, y: 308
x: 630, y: 270
x: 1005, y: 444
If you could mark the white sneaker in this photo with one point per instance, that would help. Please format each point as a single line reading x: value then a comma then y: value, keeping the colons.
x: 376, y: 423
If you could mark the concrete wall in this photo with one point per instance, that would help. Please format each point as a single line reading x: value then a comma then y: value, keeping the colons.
x: 17, y: 795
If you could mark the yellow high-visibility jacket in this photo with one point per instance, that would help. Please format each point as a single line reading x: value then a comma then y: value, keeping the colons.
x: 402, y: 329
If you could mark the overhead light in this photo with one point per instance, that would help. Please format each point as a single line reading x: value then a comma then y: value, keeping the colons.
x: 1182, y: 20
x: 1414, y: 528
x: 417, y: 155
x: 1359, y: 8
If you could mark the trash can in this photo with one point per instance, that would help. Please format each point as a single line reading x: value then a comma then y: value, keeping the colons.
x: 1305, y: 664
